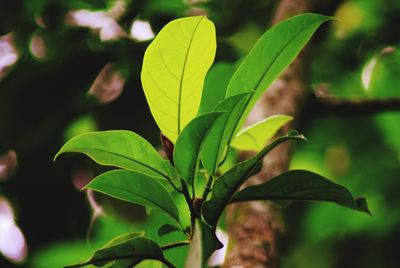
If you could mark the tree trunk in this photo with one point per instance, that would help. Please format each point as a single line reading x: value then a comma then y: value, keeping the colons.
x: 254, y: 227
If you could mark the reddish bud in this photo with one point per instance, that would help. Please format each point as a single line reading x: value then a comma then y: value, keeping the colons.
x: 168, y: 147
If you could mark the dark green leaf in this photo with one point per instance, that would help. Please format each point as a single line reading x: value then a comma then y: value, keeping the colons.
x: 134, y: 249
x: 167, y: 228
x: 273, y: 52
x: 189, y: 145
x: 120, y: 240
x: 215, y: 86
x: 136, y: 188
x: 226, y: 185
x: 204, y: 243
x: 123, y: 149
x: 220, y: 133
x: 302, y: 185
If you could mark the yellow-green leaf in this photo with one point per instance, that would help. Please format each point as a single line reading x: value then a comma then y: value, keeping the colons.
x: 254, y: 137
x: 174, y: 67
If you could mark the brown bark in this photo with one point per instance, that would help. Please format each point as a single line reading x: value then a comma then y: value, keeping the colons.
x: 254, y: 227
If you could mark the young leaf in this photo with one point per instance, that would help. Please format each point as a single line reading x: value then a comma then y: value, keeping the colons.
x: 218, y: 137
x: 273, y: 52
x: 226, y: 185
x: 254, y: 137
x: 168, y: 147
x: 123, y: 149
x: 301, y: 185
x: 166, y: 229
x: 136, y: 188
x: 204, y: 243
x: 136, y: 250
x: 215, y: 85
x: 189, y: 145
x: 174, y: 67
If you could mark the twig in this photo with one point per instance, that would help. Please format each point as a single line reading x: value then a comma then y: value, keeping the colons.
x: 175, y: 245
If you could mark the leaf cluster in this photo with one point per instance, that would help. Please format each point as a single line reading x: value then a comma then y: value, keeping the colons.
x: 200, y: 124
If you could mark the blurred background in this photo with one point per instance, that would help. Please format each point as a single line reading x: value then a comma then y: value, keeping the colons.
x: 68, y: 67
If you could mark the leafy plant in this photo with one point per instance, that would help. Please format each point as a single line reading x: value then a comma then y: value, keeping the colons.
x: 197, y: 135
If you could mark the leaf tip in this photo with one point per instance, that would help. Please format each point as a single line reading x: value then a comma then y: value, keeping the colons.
x: 55, y: 157
x: 295, y: 134
x: 362, y: 205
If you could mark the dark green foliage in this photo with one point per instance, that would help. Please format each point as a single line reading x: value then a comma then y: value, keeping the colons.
x: 206, y: 137
x: 301, y: 185
x: 226, y: 185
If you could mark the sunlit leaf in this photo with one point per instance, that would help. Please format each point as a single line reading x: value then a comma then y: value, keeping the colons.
x: 147, y: 264
x: 273, y: 52
x: 137, y: 188
x: 226, y: 185
x: 189, y: 145
x: 135, y: 249
x: 254, y: 137
x: 174, y: 67
x: 123, y: 149
x: 204, y: 243
x: 215, y: 86
x: 301, y: 185
x: 216, y: 143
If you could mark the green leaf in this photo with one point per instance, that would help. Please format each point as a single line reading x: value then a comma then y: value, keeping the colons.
x: 174, y: 67
x: 135, y: 249
x: 272, y: 53
x: 254, y: 137
x: 167, y: 228
x: 228, y: 183
x: 123, y: 149
x: 215, y: 86
x: 203, y: 244
x: 216, y: 142
x: 301, y: 185
x: 122, y: 239
x: 189, y: 145
x: 149, y: 264
x: 136, y: 188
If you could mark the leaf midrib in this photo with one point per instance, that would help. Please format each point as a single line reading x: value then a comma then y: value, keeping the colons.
x: 122, y: 156
x: 231, y: 191
x: 183, y: 74
x: 249, y: 98
x: 316, y: 197
x: 140, y: 196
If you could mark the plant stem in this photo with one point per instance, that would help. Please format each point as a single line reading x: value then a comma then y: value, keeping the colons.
x: 189, y: 201
x: 175, y: 245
